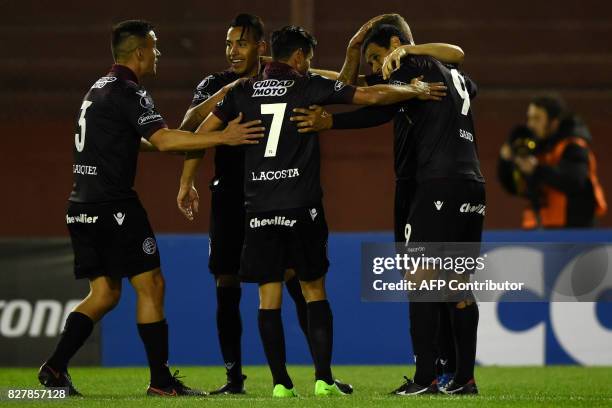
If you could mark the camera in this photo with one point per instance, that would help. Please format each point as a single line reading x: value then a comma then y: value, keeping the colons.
x: 522, y: 141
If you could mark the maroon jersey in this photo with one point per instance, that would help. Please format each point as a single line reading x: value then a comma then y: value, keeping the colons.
x: 115, y: 114
x: 283, y: 170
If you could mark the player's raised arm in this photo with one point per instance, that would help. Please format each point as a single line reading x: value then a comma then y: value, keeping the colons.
x: 350, y: 69
x: 447, y: 53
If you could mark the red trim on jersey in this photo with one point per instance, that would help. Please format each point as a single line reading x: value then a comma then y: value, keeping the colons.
x: 123, y: 72
x: 275, y: 69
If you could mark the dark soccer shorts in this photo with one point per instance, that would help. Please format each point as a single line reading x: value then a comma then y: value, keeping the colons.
x: 226, y: 231
x: 277, y: 240
x: 446, y: 210
x: 404, y: 196
x: 111, y: 239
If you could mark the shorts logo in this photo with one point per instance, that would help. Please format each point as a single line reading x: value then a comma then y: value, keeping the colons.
x: 103, y: 81
x: 313, y: 213
x: 278, y: 220
x: 149, y: 246
x: 272, y: 87
x: 438, y: 204
x: 119, y: 217
x: 338, y: 86
x: 81, y: 219
x: 396, y: 82
x: 473, y: 208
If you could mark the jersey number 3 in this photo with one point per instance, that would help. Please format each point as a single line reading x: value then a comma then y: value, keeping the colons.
x: 79, y: 138
x: 459, y: 83
x: 278, y: 110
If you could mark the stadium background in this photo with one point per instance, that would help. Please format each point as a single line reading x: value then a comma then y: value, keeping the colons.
x: 51, y: 53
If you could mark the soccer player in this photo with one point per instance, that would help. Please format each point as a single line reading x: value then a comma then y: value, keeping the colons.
x: 111, y: 235
x: 436, y: 162
x: 244, y: 48
x: 316, y: 118
x: 285, y: 222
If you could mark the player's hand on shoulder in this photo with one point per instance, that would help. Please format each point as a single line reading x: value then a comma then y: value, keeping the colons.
x: 237, y: 133
x: 188, y: 201
x: 428, y: 90
x: 313, y: 119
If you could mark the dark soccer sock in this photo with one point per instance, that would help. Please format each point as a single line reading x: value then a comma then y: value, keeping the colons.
x: 295, y: 291
x: 229, y: 330
x: 446, y: 343
x: 155, y: 339
x: 77, y: 329
x: 273, y: 339
x: 321, y: 336
x: 424, y: 319
x: 465, y: 326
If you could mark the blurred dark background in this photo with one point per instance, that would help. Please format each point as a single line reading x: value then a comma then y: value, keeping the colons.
x: 51, y: 53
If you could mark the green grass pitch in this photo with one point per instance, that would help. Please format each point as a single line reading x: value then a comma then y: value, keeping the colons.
x: 556, y: 386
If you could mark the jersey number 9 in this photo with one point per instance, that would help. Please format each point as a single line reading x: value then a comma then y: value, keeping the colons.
x: 459, y: 83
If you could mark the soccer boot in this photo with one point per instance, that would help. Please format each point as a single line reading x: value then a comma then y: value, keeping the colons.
x: 454, y: 388
x: 345, y: 388
x: 323, y: 389
x: 280, y: 391
x: 411, y: 388
x: 52, y: 378
x: 176, y: 388
x: 231, y: 387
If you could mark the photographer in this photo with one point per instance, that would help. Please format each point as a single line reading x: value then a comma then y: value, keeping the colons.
x: 551, y: 164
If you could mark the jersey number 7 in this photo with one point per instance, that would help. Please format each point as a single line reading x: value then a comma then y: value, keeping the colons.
x: 278, y: 110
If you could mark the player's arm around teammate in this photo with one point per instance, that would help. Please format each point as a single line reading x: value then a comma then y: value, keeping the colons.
x: 111, y: 236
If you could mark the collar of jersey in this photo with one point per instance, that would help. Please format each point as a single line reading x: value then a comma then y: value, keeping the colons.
x: 277, y: 69
x: 123, y: 72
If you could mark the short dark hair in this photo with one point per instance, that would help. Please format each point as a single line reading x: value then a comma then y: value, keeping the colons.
x: 123, y: 31
x: 288, y: 39
x: 250, y: 23
x: 554, y: 105
x: 381, y: 35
